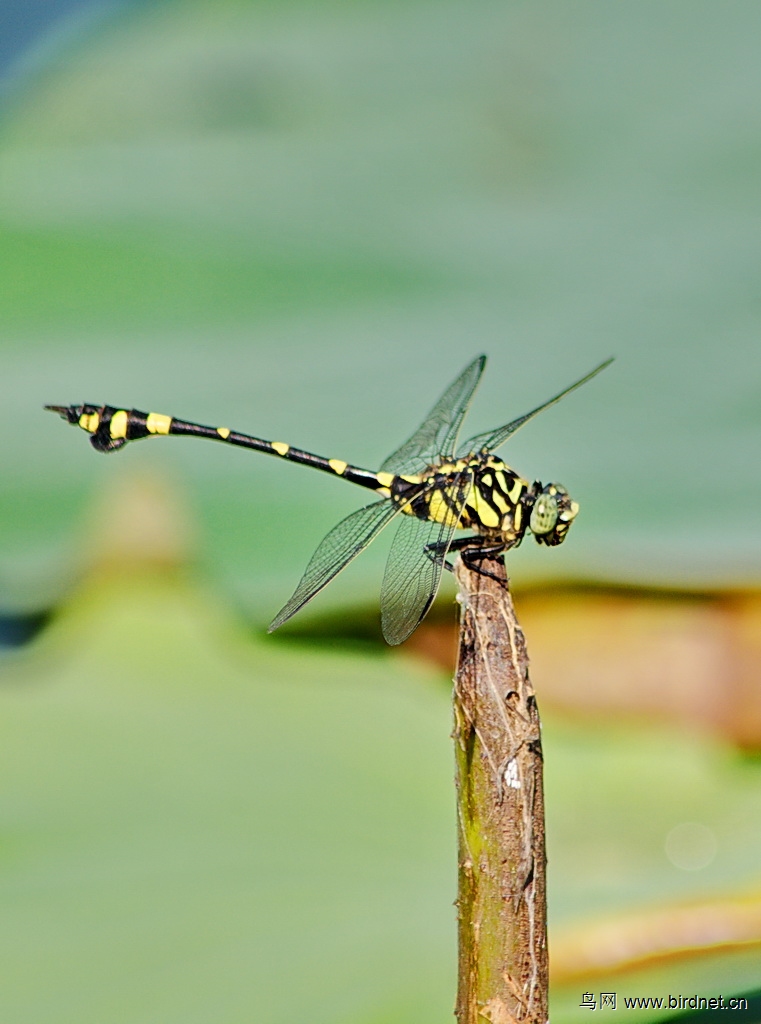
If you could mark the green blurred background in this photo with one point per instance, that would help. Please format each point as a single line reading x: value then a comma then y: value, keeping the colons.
x: 301, y: 220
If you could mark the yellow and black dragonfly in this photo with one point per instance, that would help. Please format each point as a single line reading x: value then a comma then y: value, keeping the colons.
x: 430, y: 484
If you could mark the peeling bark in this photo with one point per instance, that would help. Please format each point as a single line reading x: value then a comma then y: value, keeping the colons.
x: 503, y: 965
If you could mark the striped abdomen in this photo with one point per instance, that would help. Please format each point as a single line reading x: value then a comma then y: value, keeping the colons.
x: 111, y: 428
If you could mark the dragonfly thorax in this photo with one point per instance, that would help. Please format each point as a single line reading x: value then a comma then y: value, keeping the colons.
x: 485, y: 495
x: 481, y: 493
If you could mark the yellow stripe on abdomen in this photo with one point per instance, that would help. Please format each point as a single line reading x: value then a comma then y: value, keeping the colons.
x: 90, y: 422
x: 157, y: 423
x: 118, y: 426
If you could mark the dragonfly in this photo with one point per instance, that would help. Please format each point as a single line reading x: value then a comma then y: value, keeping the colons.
x: 431, y: 485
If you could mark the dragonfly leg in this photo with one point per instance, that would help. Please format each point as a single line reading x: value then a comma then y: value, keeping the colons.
x: 473, y: 556
x: 437, y: 552
x: 472, y: 553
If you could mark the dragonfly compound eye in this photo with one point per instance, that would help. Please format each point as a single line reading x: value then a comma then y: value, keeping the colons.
x: 544, y: 514
x: 552, y: 515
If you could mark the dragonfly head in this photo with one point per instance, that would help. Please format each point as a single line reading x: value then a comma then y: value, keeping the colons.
x: 552, y: 513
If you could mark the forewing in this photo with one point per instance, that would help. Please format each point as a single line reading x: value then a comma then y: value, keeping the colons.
x: 336, y: 550
x: 494, y: 438
x: 412, y: 576
x: 437, y: 434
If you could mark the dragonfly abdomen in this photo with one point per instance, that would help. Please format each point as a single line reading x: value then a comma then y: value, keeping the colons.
x: 111, y: 428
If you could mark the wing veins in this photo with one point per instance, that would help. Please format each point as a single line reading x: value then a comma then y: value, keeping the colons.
x: 436, y: 436
x: 334, y: 552
x: 492, y: 439
x: 412, y: 576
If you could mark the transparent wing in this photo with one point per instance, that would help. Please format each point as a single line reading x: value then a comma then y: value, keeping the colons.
x: 412, y: 576
x: 494, y: 438
x: 336, y: 550
x: 437, y: 434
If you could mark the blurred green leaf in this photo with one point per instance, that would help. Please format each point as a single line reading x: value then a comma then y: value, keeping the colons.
x: 201, y: 828
x: 197, y: 825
